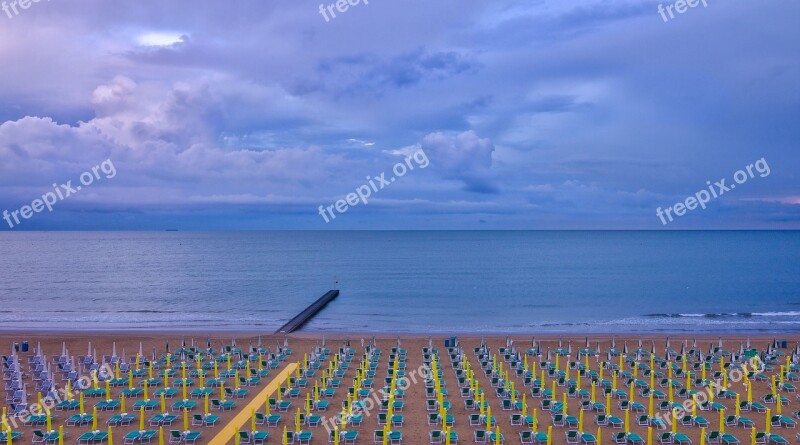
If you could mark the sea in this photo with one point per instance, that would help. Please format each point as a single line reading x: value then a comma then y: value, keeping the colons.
x: 437, y: 282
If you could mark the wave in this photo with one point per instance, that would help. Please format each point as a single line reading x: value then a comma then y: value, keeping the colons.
x: 726, y: 314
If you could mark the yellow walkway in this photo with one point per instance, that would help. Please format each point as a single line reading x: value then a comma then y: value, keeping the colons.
x: 225, y: 436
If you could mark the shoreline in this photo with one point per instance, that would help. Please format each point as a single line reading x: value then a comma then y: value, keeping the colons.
x: 393, y: 334
x: 317, y: 335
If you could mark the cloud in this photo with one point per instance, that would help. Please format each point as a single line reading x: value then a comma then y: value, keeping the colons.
x: 464, y: 157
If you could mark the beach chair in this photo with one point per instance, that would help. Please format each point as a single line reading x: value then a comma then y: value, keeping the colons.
x: 682, y: 439
x: 745, y: 422
x: 665, y: 438
x: 729, y: 439
x: 572, y: 436
x: 191, y: 437
x: 176, y: 436
x: 621, y: 438
x: 525, y: 437
x: 713, y: 437
x: 777, y: 439
x: 480, y: 436
x: 635, y: 439
x: 131, y: 438
x: 304, y: 437
x: 15, y: 435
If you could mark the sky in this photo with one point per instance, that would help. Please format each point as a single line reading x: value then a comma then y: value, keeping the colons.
x: 534, y: 114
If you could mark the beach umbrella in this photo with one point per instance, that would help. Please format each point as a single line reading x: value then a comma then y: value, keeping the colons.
x: 496, y: 435
x: 253, y: 420
x: 122, y: 402
x: 80, y: 403
x: 674, y: 421
x: 205, y: 404
x: 703, y: 436
x: 752, y: 436
x: 110, y: 437
x: 549, y: 434
x: 61, y: 435
x: 627, y: 422
x: 161, y: 435
x: 163, y: 402
x: 285, y: 436
x: 768, y: 419
x: 141, y: 418
x: 721, y: 421
x: 580, y: 421
x: 94, y: 418
x: 749, y: 393
x: 146, y: 392
x: 49, y: 421
x: 186, y: 419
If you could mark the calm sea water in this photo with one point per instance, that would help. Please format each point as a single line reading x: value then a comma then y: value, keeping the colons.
x: 439, y: 282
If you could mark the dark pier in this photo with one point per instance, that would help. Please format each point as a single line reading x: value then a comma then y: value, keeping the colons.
x: 308, y: 313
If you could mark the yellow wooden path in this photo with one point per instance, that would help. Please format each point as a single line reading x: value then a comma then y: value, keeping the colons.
x: 225, y: 436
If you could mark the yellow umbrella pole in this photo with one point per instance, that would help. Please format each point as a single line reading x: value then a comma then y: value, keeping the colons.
x: 161, y: 435
x: 94, y: 418
x: 61, y: 435
x: 649, y: 435
x: 141, y: 418
x: 674, y: 421
x: 768, y: 420
x: 722, y: 421
x: 627, y: 422
x: 186, y: 419
x: 253, y: 420
x: 737, y: 405
x: 702, y: 436
x: 110, y: 436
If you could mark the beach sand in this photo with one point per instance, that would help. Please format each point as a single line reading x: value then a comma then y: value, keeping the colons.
x: 416, y: 429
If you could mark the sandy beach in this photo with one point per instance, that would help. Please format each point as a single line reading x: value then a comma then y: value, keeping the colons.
x: 415, y: 429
